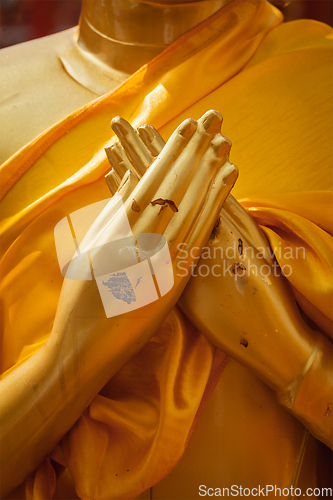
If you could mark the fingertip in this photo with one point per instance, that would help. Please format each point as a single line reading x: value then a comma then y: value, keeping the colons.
x: 121, y: 126
x: 117, y: 151
x: 130, y: 178
x: 146, y: 132
x: 187, y: 128
x: 212, y: 121
x: 221, y: 146
x: 112, y: 181
x: 231, y: 175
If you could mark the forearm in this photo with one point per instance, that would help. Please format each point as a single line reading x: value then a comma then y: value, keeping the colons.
x: 253, y: 317
x: 251, y: 314
x: 43, y: 398
x: 35, y: 413
x: 309, y: 397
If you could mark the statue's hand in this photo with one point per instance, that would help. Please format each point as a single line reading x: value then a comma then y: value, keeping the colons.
x: 238, y: 297
x: 236, y: 294
x: 176, y: 202
x: 99, y: 326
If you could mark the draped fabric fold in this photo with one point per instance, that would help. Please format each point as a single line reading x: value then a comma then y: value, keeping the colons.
x: 144, y: 413
x: 234, y: 64
x: 298, y: 228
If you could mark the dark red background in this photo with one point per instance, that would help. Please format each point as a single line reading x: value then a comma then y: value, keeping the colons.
x: 23, y: 20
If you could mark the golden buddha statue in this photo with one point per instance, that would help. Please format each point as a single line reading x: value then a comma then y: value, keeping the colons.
x: 170, y: 401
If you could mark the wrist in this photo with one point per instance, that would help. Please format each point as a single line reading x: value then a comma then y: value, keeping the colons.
x: 309, y: 396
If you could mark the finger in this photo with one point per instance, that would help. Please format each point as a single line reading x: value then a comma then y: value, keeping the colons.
x: 129, y: 182
x: 210, y: 122
x: 237, y: 214
x: 178, y: 178
x: 145, y: 192
x: 218, y: 192
x: 152, y: 139
x: 118, y: 159
x: 195, y: 197
x: 113, y: 181
x: 136, y: 151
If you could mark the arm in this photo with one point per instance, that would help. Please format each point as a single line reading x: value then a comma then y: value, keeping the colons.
x: 43, y: 398
x: 252, y: 315
x: 245, y: 307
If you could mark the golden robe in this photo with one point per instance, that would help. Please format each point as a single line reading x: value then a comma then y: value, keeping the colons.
x: 272, y: 83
